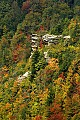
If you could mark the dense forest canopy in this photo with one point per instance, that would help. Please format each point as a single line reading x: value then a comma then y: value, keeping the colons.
x: 39, y: 59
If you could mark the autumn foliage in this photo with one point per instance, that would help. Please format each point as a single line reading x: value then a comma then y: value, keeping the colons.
x: 56, y: 112
x: 26, y: 5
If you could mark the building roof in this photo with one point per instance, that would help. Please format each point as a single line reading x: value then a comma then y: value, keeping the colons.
x: 35, y: 38
x: 33, y: 41
x: 34, y: 46
x: 67, y: 37
x: 34, y: 34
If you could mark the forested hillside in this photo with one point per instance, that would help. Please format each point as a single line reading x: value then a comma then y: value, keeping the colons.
x: 39, y: 60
